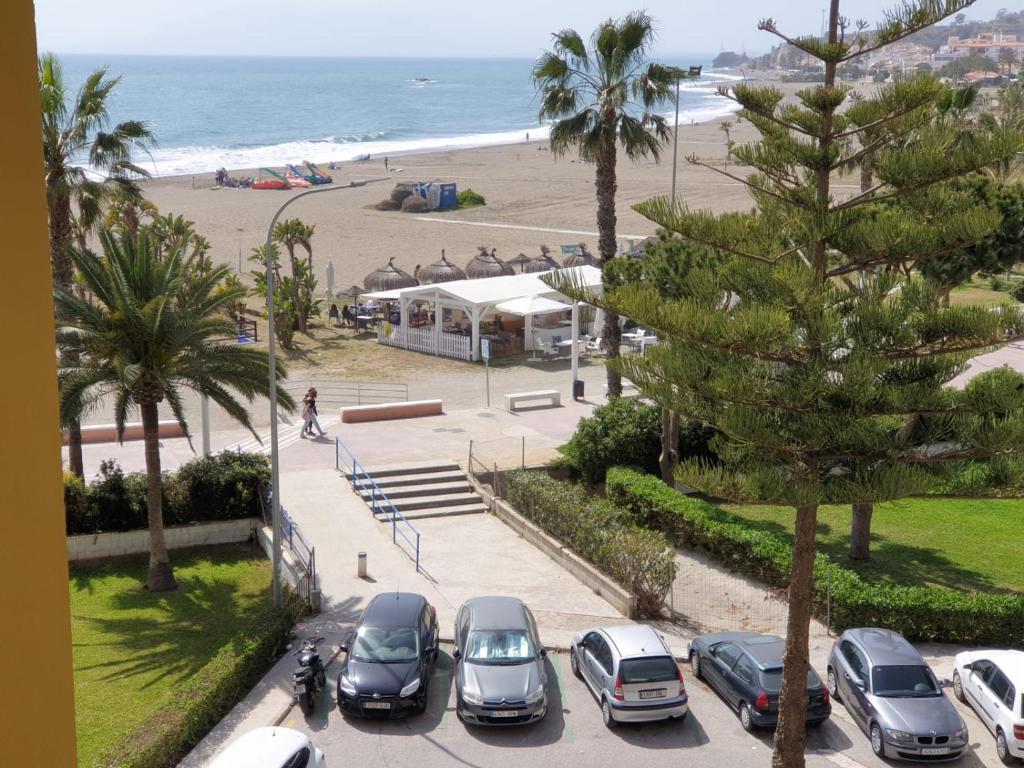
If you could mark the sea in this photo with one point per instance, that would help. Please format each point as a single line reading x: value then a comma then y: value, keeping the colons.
x: 234, y: 112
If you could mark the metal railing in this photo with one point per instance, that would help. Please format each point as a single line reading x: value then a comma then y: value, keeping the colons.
x: 303, y: 552
x: 483, y: 464
x: 379, y: 502
x: 337, y: 392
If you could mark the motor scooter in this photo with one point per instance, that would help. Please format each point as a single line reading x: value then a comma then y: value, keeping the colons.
x: 311, y: 677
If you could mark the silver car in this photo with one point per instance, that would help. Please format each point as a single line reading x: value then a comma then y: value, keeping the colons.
x: 893, y: 696
x: 631, y: 672
x: 499, y: 663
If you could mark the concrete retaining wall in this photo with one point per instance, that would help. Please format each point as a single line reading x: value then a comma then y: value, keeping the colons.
x: 384, y: 411
x: 291, y: 570
x: 91, y: 546
x: 107, y: 433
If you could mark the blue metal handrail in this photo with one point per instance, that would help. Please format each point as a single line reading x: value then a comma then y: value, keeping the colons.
x: 363, y: 481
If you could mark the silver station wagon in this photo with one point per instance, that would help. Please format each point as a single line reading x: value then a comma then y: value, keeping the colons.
x: 631, y: 673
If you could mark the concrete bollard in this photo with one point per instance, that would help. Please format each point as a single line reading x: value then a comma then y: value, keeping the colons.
x: 361, y: 567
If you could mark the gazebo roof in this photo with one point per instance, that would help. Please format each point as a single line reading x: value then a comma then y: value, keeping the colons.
x: 441, y: 271
x: 388, y: 277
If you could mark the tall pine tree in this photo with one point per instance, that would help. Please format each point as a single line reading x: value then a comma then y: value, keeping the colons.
x: 814, y: 343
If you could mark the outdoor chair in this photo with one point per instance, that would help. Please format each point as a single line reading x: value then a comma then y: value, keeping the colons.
x: 594, y: 346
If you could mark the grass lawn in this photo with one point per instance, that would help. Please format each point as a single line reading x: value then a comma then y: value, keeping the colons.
x: 968, y: 545
x: 133, y: 650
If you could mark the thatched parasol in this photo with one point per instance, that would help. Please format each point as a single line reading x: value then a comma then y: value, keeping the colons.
x: 542, y: 263
x: 353, y: 292
x: 388, y: 278
x: 441, y: 271
x: 580, y: 258
x: 487, y: 264
x: 519, y: 261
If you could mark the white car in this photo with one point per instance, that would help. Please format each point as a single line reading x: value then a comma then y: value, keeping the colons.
x: 992, y: 682
x: 271, y: 748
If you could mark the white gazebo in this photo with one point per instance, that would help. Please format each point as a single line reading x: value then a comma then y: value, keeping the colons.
x: 523, y: 295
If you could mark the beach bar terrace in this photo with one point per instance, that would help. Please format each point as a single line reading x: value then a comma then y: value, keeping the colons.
x: 515, y: 313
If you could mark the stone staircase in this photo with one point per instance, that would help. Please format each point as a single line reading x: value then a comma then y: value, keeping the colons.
x: 424, y: 489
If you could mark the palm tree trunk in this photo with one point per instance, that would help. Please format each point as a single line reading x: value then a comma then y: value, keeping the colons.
x: 75, y: 462
x: 161, y: 577
x: 791, y: 733
x: 607, y: 244
x: 669, y: 446
x: 860, y: 530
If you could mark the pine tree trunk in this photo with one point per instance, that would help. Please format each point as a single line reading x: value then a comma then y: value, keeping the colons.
x: 867, y: 172
x: 607, y: 246
x: 161, y: 577
x: 860, y: 530
x: 669, y: 458
x: 791, y: 733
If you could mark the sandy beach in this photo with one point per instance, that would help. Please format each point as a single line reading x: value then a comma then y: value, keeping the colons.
x: 532, y: 199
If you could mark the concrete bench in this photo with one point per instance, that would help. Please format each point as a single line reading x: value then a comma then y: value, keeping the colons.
x: 384, y: 411
x: 512, y: 400
x: 107, y: 433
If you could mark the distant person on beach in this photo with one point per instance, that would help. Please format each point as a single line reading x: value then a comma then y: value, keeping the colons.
x: 527, y: 137
x: 346, y: 315
x: 385, y: 162
x: 309, y: 414
x: 334, y: 315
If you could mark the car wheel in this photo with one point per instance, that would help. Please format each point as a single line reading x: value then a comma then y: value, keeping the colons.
x: 606, y: 714
x: 695, y: 664
x: 1003, y: 749
x: 958, y: 687
x: 745, y: 718
x: 877, y: 745
x: 574, y: 663
x: 833, y: 685
x: 817, y: 723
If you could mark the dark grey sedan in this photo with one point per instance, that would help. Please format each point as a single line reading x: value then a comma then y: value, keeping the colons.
x: 499, y: 663
x: 891, y: 693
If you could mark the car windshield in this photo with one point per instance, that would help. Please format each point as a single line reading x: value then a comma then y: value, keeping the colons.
x: 904, y: 680
x: 771, y: 679
x: 499, y: 646
x: 656, y: 669
x: 386, y: 646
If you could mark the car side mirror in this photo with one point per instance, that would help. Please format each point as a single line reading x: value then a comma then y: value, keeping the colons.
x: 543, y: 653
x: 456, y: 654
x: 429, y: 649
x: 343, y: 648
x: 862, y: 684
x: 946, y: 682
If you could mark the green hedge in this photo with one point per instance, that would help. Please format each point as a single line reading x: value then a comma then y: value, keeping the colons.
x: 598, y: 531
x: 919, y: 613
x: 224, y: 681
x: 221, y: 487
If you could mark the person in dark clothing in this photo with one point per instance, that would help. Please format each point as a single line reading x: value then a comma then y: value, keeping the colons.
x: 334, y: 315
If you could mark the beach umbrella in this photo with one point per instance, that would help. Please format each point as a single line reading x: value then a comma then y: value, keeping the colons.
x: 388, y: 278
x: 542, y: 263
x: 353, y: 292
x: 519, y: 261
x: 580, y: 258
x: 487, y: 264
x: 441, y: 271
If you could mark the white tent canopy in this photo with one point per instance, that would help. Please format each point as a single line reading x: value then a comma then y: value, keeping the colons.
x: 531, y: 305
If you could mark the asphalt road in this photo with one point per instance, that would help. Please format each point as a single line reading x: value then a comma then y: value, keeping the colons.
x: 572, y: 734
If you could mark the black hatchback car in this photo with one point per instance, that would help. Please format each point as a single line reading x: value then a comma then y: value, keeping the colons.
x: 746, y: 670
x: 389, y: 657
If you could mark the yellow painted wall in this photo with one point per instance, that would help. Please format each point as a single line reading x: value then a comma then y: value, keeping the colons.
x: 38, y: 718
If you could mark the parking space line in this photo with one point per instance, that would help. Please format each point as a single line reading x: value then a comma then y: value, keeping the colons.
x: 568, y: 735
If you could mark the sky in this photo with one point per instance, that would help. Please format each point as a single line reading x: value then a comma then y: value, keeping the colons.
x: 424, y: 28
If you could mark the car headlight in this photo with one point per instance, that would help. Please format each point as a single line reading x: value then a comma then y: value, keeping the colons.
x: 346, y: 685
x: 411, y: 688
x: 899, y: 735
x: 960, y: 735
x: 472, y: 698
x: 534, y: 696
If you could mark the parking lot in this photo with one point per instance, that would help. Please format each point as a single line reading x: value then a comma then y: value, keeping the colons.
x: 572, y: 733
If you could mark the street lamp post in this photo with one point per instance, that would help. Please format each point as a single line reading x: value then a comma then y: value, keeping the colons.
x: 679, y: 74
x: 275, y: 469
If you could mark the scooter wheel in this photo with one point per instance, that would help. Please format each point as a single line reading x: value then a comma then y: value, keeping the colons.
x: 307, y: 703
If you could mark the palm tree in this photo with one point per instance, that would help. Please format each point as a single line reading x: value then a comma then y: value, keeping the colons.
x: 600, y: 99
x: 291, y: 233
x: 75, y: 131
x: 150, y: 333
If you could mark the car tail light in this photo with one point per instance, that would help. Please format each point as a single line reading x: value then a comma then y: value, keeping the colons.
x: 825, y: 697
x: 617, y: 693
x: 682, y: 685
x: 761, y: 702
x: 1018, y: 732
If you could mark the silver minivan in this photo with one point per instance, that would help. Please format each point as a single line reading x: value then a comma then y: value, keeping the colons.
x: 631, y: 673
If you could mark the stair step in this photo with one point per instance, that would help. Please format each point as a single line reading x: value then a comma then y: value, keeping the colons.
x: 424, y: 514
x: 413, y: 491
x: 395, y: 481
x: 413, y: 468
x: 443, y: 500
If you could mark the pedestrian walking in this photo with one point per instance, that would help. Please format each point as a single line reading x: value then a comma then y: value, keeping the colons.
x: 385, y: 162
x: 309, y: 413
x: 334, y: 315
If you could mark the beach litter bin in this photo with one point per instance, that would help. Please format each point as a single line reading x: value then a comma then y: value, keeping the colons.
x: 449, y: 195
x: 577, y: 389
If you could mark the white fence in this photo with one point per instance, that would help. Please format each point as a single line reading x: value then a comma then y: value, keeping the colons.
x: 425, y: 340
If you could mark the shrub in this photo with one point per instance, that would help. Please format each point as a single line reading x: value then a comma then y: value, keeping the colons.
x: 1018, y: 292
x: 173, y: 730
x: 467, y: 198
x: 415, y: 204
x: 400, y: 192
x: 623, y: 432
x: 919, y: 613
x: 221, y: 487
x: 600, y: 532
x: 996, y: 283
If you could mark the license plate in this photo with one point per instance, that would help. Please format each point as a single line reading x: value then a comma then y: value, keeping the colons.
x: 935, y: 751
x: 503, y: 713
x: 653, y: 693
x: 376, y: 705
x: 298, y: 688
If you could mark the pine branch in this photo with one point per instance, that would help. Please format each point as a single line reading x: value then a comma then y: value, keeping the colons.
x: 693, y: 160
